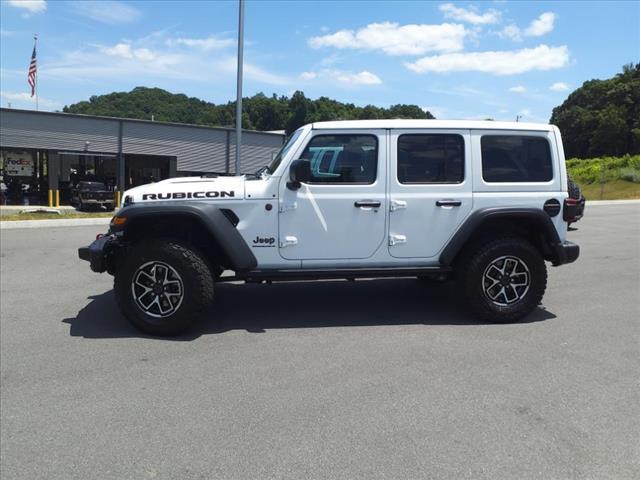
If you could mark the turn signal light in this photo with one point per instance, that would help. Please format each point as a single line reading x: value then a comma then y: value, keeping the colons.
x: 118, y: 220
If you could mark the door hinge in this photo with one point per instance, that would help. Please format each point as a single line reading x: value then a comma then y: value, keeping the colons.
x: 288, y: 206
x: 288, y: 241
x: 397, y: 205
x: 396, y: 239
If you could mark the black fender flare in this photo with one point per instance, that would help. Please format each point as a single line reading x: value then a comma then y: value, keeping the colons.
x: 477, y: 218
x: 210, y: 216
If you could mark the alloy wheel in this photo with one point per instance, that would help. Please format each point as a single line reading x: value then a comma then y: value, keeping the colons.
x: 157, y: 289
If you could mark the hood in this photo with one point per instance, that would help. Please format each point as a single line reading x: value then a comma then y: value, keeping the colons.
x: 188, y: 188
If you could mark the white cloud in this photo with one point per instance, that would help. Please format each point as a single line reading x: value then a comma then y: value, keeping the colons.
x: 251, y: 72
x: 471, y: 15
x: 559, y: 87
x: 24, y: 98
x: 124, y: 50
x: 121, y: 63
x: 206, y: 44
x: 538, y: 27
x: 518, y: 89
x: 110, y: 12
x: 331, y: 59
x: 360, y: 78
x: 525, y: 112
x: 31, y: 6
x: 512, y: 32
x: 152, y: 59
x: 513, y: 62
x: 343, y: 77
x: 395, y: 39
x: 541, y: 25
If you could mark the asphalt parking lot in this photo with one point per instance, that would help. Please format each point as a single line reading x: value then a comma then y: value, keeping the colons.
x: 373, y: 379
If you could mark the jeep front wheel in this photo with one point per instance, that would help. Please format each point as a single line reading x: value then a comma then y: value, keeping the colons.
x: 163, y: 286
x: 504, y: 279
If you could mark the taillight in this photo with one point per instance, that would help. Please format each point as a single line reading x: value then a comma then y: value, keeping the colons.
x: 570, y: 210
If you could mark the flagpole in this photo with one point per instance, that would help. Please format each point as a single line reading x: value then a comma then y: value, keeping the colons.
x: 35, y: 46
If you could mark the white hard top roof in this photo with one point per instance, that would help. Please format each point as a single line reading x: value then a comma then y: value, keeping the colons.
x: 432, y: 124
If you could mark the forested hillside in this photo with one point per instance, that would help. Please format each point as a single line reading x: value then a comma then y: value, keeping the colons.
x: 602, y: 117
x: 259, y: 112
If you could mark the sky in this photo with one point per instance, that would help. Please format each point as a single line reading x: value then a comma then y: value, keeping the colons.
x: 462, y: 60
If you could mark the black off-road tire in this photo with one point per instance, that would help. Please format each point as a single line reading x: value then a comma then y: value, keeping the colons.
x: 196, y: 285
x: 573, y: 189
x: 471, y: 278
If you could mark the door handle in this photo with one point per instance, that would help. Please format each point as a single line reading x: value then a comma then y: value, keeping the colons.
x: 448, y: 203
x: 367, y: 204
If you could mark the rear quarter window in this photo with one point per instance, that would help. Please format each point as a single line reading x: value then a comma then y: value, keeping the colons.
x: 516, y: 158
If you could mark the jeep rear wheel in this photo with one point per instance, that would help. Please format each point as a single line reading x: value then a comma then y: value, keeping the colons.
x: 504, y: 279
x: 163, y: 286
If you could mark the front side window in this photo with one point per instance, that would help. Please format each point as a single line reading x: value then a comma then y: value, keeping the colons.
x: 516, y: 158
x: 432, y: 158
x: 351, y: 158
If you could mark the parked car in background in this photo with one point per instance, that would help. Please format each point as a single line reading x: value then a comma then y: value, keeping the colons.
x: 92, y: 195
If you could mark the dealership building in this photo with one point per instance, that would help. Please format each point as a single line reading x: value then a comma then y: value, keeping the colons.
x: 43, y: 155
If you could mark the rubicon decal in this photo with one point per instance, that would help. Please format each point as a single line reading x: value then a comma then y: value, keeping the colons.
x: 181, y: 195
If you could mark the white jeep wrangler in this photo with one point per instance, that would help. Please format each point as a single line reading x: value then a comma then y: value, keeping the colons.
x: 484, y: 203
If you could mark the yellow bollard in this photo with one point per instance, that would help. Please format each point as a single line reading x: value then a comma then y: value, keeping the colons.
x: 57, y: 198
x: 50, y: 198
x: 117, y: 199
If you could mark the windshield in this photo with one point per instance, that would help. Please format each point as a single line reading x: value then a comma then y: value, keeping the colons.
x: 275, y: 163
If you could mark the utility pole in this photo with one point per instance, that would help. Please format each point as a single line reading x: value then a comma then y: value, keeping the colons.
x: 239, y: 85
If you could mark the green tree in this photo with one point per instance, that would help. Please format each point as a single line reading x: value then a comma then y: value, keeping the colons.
x: 258, y: 112
x: 602, y: 117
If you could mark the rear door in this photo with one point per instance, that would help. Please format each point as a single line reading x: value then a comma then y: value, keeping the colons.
x: 430, y: 189
x: 341, y: 212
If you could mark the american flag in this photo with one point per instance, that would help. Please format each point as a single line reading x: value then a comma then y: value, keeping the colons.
x: 31, y: 77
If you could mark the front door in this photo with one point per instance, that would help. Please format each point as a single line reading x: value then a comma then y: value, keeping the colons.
x: 430, y: 190
x: 341, y: 212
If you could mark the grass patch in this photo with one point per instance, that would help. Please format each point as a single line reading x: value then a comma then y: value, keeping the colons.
x: 613, y: 190
x: 52, y: 216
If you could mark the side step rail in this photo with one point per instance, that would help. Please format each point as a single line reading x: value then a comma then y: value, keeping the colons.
x: 334, y: 273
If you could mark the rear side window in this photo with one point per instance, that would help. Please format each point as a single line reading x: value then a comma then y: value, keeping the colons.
x: 516, y: 158
x: 342, y: 158
x: 433, y: 158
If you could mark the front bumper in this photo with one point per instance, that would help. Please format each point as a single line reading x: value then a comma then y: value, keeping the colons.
x: 566, y: 252
x: 98, y: 253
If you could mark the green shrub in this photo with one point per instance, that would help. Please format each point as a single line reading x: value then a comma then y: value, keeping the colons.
x: 630, y: 174
x: 604, y: 169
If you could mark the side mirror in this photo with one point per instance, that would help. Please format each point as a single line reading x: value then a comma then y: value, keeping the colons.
x: 299, y: 172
